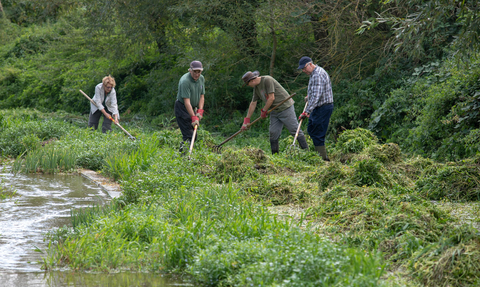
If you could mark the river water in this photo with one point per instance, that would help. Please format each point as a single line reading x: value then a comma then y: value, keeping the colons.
x: 42, y: 203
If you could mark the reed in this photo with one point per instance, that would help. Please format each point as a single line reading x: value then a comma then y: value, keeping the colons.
x: 49, y: 159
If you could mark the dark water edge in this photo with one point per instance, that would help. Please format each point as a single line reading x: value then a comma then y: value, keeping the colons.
x: 42, y: 203
x: 80, y: 279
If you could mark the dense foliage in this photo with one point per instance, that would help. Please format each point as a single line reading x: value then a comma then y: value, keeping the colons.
x: 407, y: 70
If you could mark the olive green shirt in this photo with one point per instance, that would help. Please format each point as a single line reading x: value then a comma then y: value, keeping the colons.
x: 188, y: 88
x: 267, y: 86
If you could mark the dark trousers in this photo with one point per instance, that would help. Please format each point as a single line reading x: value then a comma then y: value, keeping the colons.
x: 318, y: 123
x: 94, y: 119
x: 184, y: 121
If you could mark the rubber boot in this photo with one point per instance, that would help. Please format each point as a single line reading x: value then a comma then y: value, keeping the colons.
x: 274, y: 146
x: 322, y: 151
x: 302, y: 142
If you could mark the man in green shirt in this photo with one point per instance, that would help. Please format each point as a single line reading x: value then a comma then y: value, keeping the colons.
x: 191, y: 95
x: 272, y: 93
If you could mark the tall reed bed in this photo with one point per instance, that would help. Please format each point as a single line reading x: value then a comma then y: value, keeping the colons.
x: 50, y: 159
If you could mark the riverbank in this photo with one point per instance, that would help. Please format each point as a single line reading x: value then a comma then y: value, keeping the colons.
x: 372, y: 214
x: 107, y: 184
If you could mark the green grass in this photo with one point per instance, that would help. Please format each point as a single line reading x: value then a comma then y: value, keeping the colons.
x: 367, y: 212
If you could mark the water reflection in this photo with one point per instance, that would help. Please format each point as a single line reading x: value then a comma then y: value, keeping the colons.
x: 42, y: 203
x: 63, y: 279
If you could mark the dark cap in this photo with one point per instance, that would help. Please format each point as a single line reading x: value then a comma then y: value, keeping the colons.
x: 250, y: 76
x: 303, y: 61
x: 196, y: 65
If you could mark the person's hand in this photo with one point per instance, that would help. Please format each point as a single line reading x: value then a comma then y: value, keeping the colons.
x: 303, y: 115
x: 306, y: 99
x: 263, y: 113
x: 195, y: 121
x: 199, y: 113
x: 246, y: 124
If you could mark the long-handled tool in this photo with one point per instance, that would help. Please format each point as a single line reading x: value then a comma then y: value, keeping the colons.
x: 291, y: 149
x: 217, y: 148
x: 118, y: 125
x: 193, y: 140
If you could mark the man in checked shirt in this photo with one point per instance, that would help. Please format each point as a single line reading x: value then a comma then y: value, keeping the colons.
x: 320, y: 104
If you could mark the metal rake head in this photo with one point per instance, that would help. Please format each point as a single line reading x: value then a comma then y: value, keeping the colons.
x: 292, y: 150
x: 217, y: 149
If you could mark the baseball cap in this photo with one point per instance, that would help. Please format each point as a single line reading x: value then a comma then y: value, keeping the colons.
x: 196, y: 65
x: 303, y: 61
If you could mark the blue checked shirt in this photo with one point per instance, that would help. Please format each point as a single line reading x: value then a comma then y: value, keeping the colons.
x: 319, y: 89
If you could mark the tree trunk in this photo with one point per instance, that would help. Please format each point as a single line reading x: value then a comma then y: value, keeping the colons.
x: 274, y: 40
x: 274, y: 49
x: 320, y: 31
x: 1, y: 9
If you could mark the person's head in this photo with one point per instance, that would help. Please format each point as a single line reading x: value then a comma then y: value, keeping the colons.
x: 108, y: 83
x: 306, y: 65
x: 251, y: 79
x: 195, y: 69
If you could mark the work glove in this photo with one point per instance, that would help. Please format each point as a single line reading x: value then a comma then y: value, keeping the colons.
x: 199, y: 114
x: 246, y: 124
x: 195, y: 121
x: 263, y: 113
x: 303, y: 115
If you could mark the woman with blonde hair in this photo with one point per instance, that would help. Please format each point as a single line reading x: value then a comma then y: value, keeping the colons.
x: 106, y: 99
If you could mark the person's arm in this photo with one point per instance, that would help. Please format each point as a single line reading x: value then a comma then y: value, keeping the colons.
x: 201, y: 102
x: 269, y: 102
x: 246, y: 120
x: 251, y: 109
x: 97, y: 98
x: 188, y: 106
x: 193, y: 117
x: 314, y: 92
x: 199, y: 113
x: 114, y: 105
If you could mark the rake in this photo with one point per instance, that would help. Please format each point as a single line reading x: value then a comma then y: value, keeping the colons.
x: 292, y: 149
x: 218, y: 148
x: 193, y: 140
x: 118, y: 125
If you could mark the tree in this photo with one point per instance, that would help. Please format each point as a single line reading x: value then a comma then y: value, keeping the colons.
x: 1, y: 9
x: 141, y: 21
x: 417, y: 25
